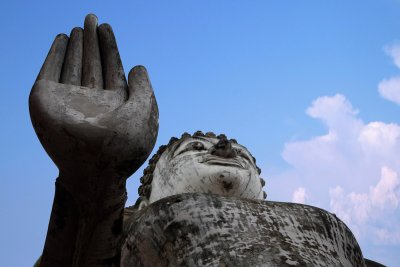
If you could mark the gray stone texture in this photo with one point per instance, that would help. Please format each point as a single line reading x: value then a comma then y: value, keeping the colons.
x: 211, y: 230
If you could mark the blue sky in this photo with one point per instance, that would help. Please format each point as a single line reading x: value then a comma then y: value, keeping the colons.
x: 309, y: 87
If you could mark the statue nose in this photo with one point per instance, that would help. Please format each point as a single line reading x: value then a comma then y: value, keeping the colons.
x: 223, y: 149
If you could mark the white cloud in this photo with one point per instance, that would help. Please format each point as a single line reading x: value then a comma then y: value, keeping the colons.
x: 384, y: 193
x: 352, y: 170
x: 380, y: 136
x: 332, y: 109
x: 390, y: 89
x: 394, y: 52
x: 300, y: 195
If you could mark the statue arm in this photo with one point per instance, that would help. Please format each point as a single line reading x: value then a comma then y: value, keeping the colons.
x: 98, y: 129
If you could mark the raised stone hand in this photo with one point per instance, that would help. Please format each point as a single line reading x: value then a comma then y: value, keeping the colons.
x: 84, y: 112
x: 98, y: 129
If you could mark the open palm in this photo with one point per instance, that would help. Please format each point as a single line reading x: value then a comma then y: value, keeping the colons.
x: 86, y: 115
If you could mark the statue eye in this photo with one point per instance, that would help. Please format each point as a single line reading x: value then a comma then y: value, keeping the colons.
x: 240, y: 153
x: 197, y: 146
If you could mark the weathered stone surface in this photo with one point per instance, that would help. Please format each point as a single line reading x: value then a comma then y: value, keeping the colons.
x: 210, y: 230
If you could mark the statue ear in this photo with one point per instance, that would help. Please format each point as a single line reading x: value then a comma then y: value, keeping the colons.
x: 144, y: 202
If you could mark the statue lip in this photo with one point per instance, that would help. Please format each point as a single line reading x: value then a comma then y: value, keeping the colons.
x: 214, y: 160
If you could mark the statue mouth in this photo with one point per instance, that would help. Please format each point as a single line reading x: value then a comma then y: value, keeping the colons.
x: 214, y: 160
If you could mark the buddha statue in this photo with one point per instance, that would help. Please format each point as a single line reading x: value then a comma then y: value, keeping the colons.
x: 201, y: 200
x: 202, y: 204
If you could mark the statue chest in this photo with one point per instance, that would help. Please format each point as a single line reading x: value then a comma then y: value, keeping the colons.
x: 210, y: 230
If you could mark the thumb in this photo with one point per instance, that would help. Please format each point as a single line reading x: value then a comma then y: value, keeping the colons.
x: 139, y: 82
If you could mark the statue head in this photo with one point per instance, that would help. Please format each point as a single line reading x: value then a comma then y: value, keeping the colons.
x: 201, y: 163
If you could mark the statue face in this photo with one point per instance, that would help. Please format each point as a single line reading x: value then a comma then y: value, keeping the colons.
x: 206, y: 165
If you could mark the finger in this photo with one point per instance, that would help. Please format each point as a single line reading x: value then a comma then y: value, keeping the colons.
x: 52, y: 65
x: 142, y: 106
x: 91, y: 69
x: 139, y: 82
x: 113, y: 71
x: 72, y: 69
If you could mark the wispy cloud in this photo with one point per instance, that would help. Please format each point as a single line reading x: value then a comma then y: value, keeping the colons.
x: 360, y: 210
